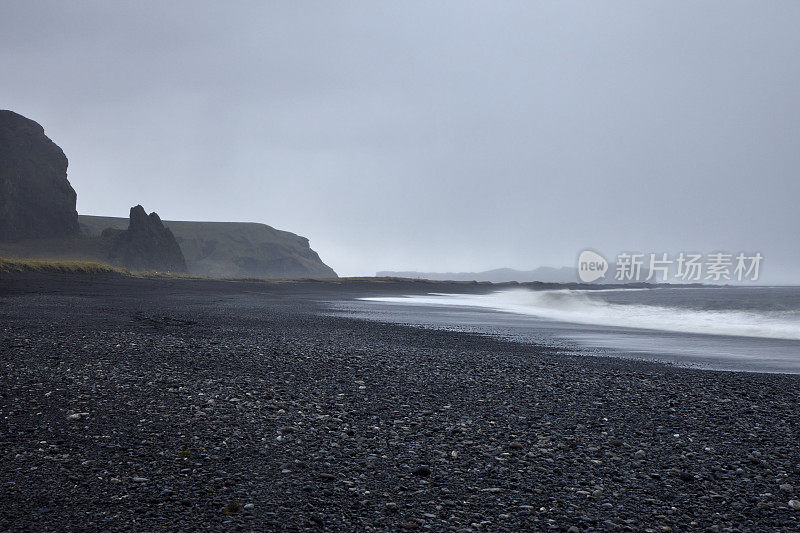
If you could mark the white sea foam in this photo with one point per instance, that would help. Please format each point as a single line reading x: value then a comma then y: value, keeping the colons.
x: 581, y: 307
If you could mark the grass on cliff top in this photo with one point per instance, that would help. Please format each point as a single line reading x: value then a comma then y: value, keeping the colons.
x: 76, y: 266
x: 80, y: 266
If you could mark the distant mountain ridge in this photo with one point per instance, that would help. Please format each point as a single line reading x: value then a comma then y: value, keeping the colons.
x: 498, y: 275
x: 543, y: 274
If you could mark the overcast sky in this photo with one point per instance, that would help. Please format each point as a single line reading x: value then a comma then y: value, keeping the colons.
x: 431, y: 136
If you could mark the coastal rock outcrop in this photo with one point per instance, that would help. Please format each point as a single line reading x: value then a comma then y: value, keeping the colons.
x: 233, y: 249
x: 36, y: 199
x: 38, y: 220
x: 146, y: 244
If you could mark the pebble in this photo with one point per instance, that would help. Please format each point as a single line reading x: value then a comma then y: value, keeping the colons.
x: 422, y: 471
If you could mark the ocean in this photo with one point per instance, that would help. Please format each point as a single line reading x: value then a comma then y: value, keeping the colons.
x: 720, y: 328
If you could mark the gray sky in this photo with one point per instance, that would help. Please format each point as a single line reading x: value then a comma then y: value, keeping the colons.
x: 431, y: 136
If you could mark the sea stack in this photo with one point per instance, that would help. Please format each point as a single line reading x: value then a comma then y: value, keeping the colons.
x: 146, y: 244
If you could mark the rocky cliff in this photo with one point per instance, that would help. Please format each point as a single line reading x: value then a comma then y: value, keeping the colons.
x: 36, y: 199
x: 234, y: 249
x: 38, y: 219
x: 145, y: 245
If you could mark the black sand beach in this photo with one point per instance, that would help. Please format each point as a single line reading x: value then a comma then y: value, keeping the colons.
x: 141, y: 404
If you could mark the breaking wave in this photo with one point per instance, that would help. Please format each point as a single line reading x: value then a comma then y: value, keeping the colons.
x: 590, y: 308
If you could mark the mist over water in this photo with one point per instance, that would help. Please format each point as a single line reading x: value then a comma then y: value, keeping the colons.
x: 723, y: 328
x: 594, y: 308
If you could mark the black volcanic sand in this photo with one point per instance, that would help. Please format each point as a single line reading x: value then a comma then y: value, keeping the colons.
x: 132, y: 404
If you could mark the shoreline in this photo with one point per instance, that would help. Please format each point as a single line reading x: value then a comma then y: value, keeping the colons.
x: 240, y: 404
x: 674, y: 344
